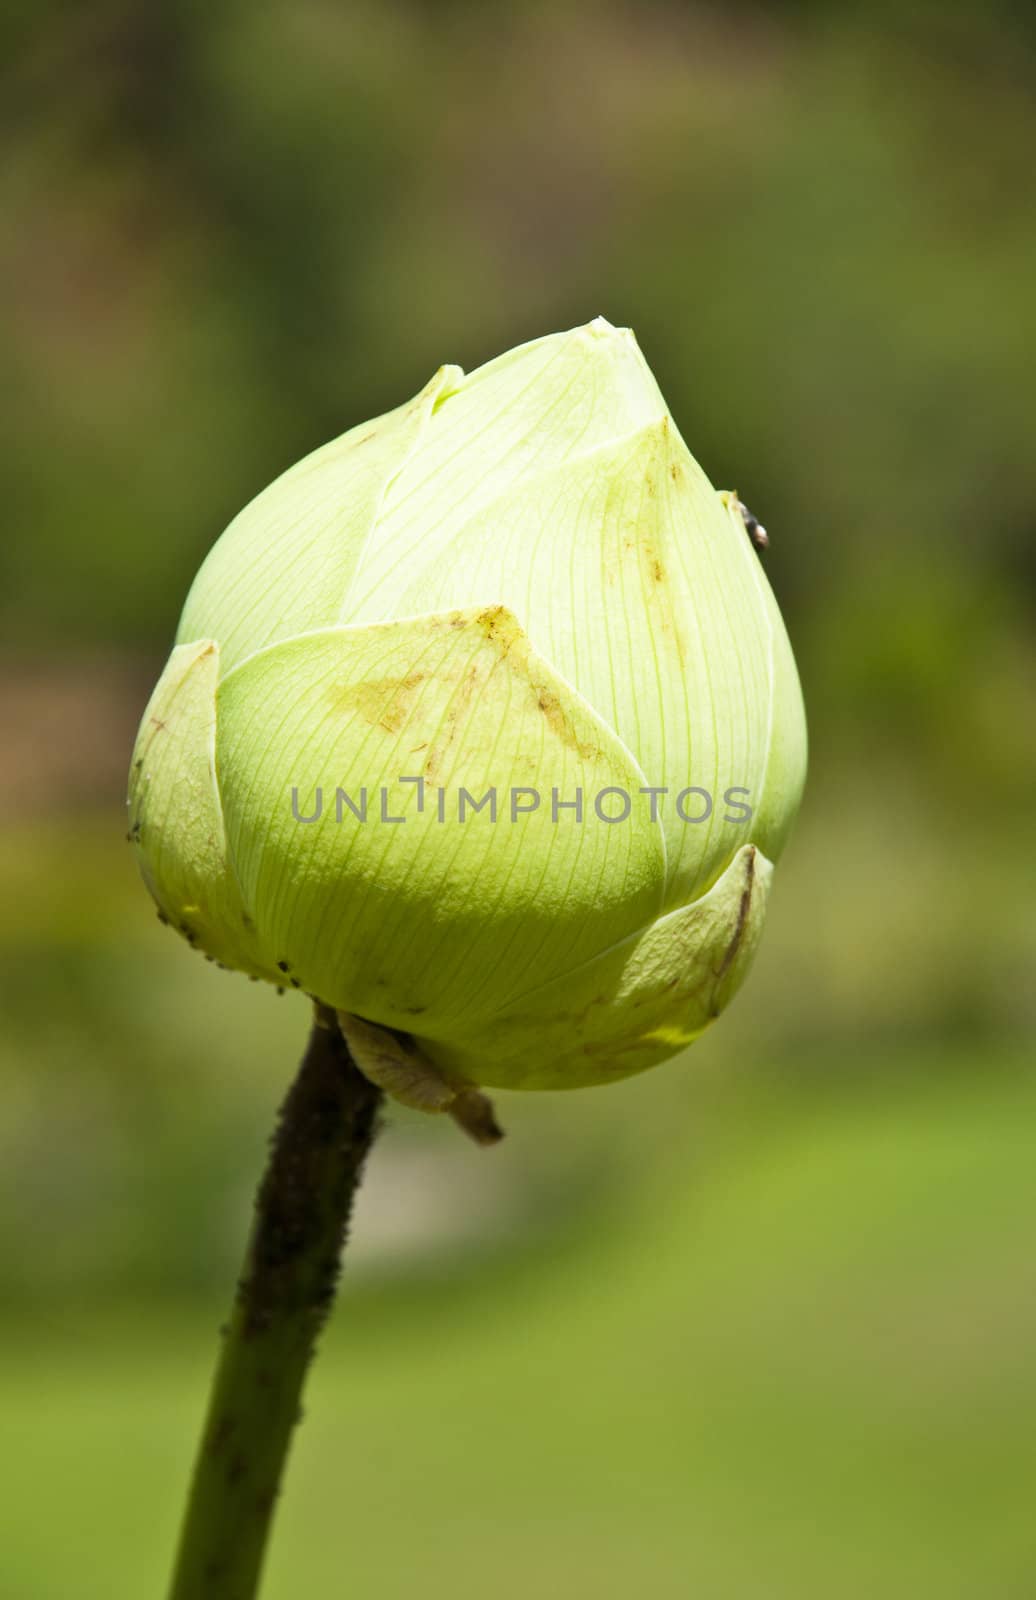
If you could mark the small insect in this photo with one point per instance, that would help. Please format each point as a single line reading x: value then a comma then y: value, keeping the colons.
x: 753, y: 527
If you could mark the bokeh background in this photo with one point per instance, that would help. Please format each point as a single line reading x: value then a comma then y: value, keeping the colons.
x: 762, y: 1324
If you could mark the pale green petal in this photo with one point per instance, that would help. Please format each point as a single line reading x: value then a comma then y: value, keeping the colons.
x: 176, y: 821
x: 630, y: 1008
x: 533, y: 410
x: 305, y: 552
x: 286, y: 562
x: 631, y: 577
x: 779, y: 791
x: 437, y: 921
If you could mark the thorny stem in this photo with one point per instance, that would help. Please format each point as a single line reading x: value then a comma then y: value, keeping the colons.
x: 325, y: 1128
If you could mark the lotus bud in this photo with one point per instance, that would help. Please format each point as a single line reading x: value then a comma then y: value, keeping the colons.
x: 483, y: 729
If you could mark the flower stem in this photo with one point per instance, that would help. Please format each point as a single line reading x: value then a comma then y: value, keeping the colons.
x: 325, y: 1128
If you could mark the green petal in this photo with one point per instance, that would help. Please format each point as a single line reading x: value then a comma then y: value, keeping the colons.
x: 304, y: 553
x: 176, y: 820
x: 630, y: 1008
x: 437, y: 921
x: 630, y: 575
x: 286, y: 562
x: 528, y: 413
x: 779, y: 789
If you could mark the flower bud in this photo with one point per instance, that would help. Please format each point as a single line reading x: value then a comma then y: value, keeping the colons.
x: 482, y: 726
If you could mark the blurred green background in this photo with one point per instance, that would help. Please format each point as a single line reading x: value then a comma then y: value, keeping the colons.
x: 762, y: 1324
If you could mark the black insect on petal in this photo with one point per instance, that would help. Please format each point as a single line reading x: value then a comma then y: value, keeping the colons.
x: 753, y: 527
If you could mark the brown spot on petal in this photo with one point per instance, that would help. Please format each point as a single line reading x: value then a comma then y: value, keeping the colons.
x: 453, y: 717
x: 499, y: 626
x: 561, y: 725
x: 384, y: 703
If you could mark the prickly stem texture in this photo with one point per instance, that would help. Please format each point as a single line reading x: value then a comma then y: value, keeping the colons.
x: 325, y: 1129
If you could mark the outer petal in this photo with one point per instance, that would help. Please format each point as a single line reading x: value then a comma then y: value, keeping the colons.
x: 779, y: 789
x: 634, y: 579
x: 286, y: 562
x: 630, y: 1008
x: 421, y: 921
x: 176, y: 820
